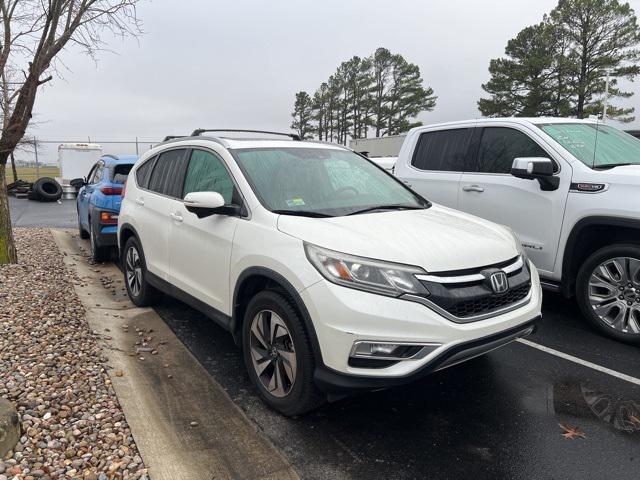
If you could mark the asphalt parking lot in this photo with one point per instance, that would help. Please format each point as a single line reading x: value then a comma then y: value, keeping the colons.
x: 494, y: 417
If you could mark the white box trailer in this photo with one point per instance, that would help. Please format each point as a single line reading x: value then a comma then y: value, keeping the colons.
x: 378, y: 147
x: 76, y: 159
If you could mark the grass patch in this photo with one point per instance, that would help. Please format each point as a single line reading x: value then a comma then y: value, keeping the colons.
x: 28, y: 174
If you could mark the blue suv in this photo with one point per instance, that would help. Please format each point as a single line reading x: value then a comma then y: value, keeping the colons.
x: 98, y: 202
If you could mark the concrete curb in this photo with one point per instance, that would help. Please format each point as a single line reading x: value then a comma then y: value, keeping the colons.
x: 184, y: 423
x: 9, y: 427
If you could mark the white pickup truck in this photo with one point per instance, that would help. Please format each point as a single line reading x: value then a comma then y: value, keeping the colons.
x: 569, y: 188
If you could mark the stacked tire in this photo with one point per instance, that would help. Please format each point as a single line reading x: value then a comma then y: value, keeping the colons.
x: 45, y: 189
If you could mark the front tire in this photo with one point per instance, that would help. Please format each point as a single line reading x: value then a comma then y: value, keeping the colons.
x: 140, y: 291
x: 608, y: 291
x: 278, y: 355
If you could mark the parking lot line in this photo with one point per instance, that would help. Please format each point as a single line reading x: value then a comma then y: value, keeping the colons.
x: 571, y: 358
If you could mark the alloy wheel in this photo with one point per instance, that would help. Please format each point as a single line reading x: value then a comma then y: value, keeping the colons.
x: 614, y: 293
x: 133, y: 269
x: 272, y: 353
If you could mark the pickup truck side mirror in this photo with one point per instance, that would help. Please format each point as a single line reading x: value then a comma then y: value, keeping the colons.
x: 205, y: 204
x: 536, y: 168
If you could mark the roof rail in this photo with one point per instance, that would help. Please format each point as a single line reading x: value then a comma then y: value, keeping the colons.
x: 200, y: 131
x: 172, y: 137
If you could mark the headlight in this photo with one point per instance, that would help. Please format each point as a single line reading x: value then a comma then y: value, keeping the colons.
x: 364, y: 273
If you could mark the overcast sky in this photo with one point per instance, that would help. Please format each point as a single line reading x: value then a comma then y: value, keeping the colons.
x: 206, y: 63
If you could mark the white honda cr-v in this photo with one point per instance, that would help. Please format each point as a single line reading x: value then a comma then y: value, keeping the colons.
x: 332, y: 275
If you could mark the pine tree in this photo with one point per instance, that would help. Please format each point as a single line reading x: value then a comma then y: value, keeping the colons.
x: 302, y: 116
x: 381, y: 94
x: 559, y: 66
x: 604, y: 35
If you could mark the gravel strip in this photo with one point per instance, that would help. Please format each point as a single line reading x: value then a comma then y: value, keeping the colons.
x: 52, y: 368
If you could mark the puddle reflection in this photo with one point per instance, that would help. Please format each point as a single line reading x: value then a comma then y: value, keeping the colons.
x: 577, y: 399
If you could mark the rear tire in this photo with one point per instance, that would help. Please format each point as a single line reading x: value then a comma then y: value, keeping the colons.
x: 141, y: 292
x: 280, y: 363
x: 82, y: 233
x: 98, y: 253
x: 608, y: 291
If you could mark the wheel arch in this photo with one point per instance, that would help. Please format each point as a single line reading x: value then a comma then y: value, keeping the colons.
x: 257, y: 279
x: 126, y: 231
x: 589, y: 235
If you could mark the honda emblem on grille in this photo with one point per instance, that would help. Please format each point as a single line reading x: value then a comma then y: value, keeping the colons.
x: 499, y: 282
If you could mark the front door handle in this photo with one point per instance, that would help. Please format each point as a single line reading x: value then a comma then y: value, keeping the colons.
x: 473, y: 188
x: 177, y: 217
x: 140, y: 201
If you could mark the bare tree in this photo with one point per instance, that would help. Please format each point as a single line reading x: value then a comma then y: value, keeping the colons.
x: 33, y: 33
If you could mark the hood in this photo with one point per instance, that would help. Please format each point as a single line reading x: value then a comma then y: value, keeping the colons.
x: 437, y: 239
x: 630, y: 173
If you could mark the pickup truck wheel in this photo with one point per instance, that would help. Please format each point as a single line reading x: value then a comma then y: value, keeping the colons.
x: 141, y: 293
x: 608, y: 290
x: 278, y: 356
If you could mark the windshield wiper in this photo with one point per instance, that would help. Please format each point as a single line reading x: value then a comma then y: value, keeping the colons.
x: 386, y: 207
x: 302, y: 213
x: 611, y: 165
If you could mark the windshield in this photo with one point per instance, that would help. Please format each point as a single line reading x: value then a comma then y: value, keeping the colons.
x: 321, y: 181
x: 595, y: 145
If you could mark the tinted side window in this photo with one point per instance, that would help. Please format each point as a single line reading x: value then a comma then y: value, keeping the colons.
x: 168, y: 173
x: 443, y: 150
x: 144, y: 172
x: 207, y: 173
x: 500, y: 146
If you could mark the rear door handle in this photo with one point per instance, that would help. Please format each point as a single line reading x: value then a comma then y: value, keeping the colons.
x: 177, y: 217
x: 407, y: 183
x: 140, y: 201
x: 473, y: 188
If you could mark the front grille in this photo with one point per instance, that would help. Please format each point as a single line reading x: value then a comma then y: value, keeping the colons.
x: 480, y: 306
x: 467, y: 296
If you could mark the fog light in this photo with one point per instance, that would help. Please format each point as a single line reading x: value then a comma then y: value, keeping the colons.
x: 392, y: 351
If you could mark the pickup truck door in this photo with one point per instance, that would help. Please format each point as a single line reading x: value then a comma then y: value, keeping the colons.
x: 491, y: 192
x: 437, y: 163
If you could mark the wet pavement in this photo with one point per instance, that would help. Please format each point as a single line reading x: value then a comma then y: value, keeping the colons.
x: 28, y: 213
x: 494, y: 417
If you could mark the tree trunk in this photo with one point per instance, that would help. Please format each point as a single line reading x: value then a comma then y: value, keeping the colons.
x: 14, y: 170
x: 7, y: 247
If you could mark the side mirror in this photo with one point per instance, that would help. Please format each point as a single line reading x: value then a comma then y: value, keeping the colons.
x: 536, y: 168
x: 78, y: 183
x: 205, y: 204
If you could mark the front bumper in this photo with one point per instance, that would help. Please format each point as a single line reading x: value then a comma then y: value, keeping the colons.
x: 342, y: 316
x: 332, y: 382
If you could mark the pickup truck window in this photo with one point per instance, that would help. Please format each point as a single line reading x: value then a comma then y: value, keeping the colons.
x: 597, y: 146
x: 443, y: 150
x: 499, y: 146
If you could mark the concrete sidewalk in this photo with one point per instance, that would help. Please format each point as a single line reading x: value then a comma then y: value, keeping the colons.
x: 184, y: 424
